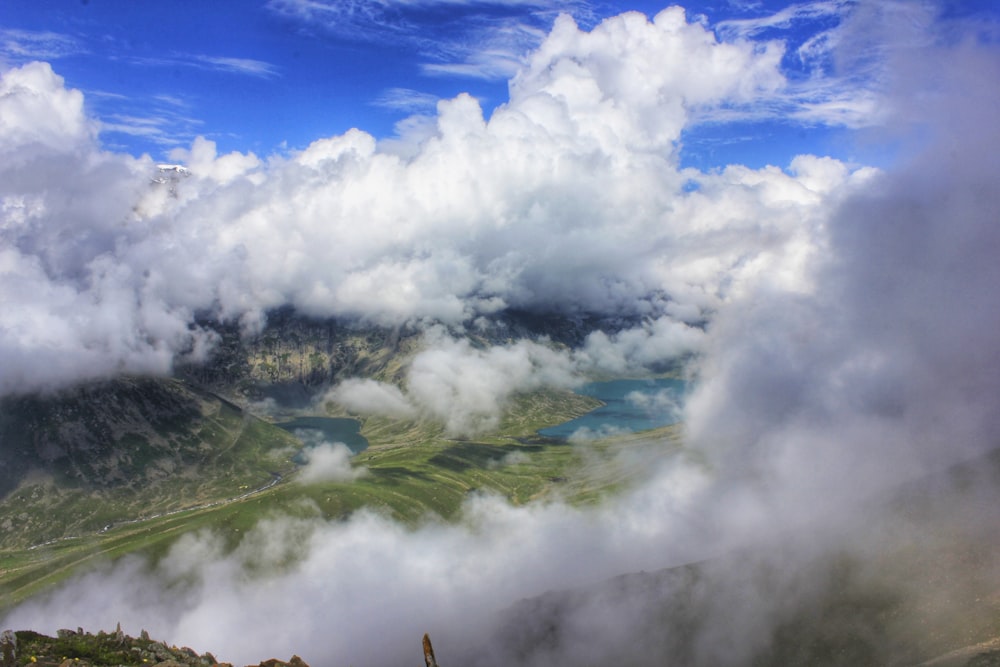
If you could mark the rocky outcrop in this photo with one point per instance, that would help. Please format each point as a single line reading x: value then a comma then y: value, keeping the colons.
x: 8, y: 649
x: 76, y: 648
x: 293, y: 356
x: 296, y: 661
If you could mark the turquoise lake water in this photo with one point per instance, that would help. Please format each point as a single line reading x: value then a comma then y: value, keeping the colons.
x: 315, y: 430
x: 630, y: 405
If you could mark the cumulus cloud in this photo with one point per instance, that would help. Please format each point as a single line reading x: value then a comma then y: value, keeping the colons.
x: 72, y: 309
x: 567, y: 197
x: 891, y: 346
x: 467, y: 388
x: 327, y: 462
x: 39, y: 111
x: 664, y: 401
x: 464, y: 387
x: 369, y: 397
x: 635, y: 350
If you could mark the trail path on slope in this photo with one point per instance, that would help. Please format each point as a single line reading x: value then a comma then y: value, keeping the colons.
x: 276, y: 478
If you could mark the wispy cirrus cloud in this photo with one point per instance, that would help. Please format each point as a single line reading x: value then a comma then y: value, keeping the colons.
x: 248, y: 66
x: 784, y: 18
x: 164, y: 119
x: 164, y: 129
x: 23, y: 45
x: 484, y: 39
x: 833, y: 64
x: 172, y: 100
x: 407, y: 100
x: 224, y: 64
x: 493, y: 48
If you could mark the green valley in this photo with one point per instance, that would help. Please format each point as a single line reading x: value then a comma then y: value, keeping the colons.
x: 148, y: 460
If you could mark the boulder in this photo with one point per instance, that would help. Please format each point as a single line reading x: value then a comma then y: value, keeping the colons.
x: 8, y: 649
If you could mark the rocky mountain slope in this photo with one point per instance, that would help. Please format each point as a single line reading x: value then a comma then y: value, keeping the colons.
x: 79, y: 460
x: 82, y: 458
x: 293, y: 356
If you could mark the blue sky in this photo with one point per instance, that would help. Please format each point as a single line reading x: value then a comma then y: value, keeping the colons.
x: 276, y: 75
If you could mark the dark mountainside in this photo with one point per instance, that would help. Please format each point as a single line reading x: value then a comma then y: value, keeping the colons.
x: 294, y: 356
x: 77, y: 461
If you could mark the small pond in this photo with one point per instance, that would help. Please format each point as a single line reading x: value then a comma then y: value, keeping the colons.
x: 315, y: 430
x: 629, y: 406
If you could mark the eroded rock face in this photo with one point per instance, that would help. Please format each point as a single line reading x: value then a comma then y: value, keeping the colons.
x: 295, y: 661
x: 8, y: 649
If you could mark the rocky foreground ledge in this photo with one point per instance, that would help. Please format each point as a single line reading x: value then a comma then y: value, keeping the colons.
x: 76, y: 648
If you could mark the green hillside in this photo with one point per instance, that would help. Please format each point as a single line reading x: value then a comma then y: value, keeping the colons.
x: 129, y: 466
x: 77, y: 462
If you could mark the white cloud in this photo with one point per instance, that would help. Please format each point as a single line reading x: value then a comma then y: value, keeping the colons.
x: 493, y: 49
x: 327, y: 462
x: 226, y: 64
x: 585, y: 434
x: 368, y: 397
x: 664, y: 401
x: 635, y: 350
x: 567, y: 197
x: 844, y: 76
x: 479, y: 42
x: 26, y: 45
x: 468, y: 389
x: 248, y: 66
x: 37, y: 110
x: 405, y: 99
x: 785, y: 17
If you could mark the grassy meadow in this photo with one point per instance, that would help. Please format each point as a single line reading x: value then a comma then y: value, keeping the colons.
x: 411, y: 471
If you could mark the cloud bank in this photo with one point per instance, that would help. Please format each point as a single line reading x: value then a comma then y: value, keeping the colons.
x: 567, y: 197
x: 468, y: 388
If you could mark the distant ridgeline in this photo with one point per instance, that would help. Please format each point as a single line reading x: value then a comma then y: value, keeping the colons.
x: 294, y: 354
